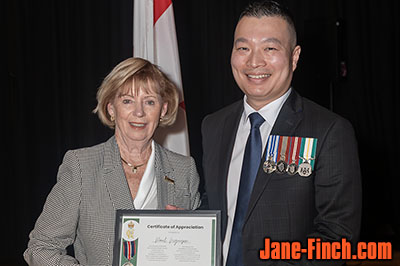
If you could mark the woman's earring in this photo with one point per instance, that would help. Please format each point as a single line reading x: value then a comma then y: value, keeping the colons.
x: 112, y: 118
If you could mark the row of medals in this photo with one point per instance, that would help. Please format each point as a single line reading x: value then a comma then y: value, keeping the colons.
x: 281, y: 167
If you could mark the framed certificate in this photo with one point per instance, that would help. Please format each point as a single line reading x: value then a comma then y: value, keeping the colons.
x: 165, y: 238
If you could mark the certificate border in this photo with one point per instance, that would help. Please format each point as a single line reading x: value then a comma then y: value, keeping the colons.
x: 167, y: 213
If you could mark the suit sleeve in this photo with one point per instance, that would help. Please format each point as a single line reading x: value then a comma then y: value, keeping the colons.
x: 204, y: 129
x: 194, y: 186
x: 337, y: 184
x: 55, y: 228
x: 337, y: 188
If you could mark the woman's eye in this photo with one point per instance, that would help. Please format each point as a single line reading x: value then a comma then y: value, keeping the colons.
x: 126, y: 101
x: 150, y: 102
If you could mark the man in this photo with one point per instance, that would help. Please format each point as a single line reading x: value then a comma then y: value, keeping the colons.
x: 276, y: 164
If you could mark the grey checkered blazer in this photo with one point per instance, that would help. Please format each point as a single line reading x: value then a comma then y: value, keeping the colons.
x: 91, y: 185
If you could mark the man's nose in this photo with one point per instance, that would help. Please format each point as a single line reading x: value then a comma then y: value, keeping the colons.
x: 256, y: 59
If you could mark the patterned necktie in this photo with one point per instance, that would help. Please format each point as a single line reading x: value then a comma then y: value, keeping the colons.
x: 251, y: 163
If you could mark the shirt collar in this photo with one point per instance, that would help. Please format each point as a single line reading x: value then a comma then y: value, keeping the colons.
x: 269, y: 112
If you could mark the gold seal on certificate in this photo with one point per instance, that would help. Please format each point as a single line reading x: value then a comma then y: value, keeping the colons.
x: 163, y: 238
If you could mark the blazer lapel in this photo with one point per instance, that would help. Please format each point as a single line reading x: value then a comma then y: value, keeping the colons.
x: 164, y: 177
x: 290, y: 116
x: 285, y: 125
x: 228, y: 137
x: 114, y: 177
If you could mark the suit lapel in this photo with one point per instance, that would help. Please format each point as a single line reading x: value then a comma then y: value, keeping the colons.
x: 164, y: 177
x: 114, y: 177
x: 117, y: 186
x: 289, y: 116
x: 228, y: 137
x: 285, y: 125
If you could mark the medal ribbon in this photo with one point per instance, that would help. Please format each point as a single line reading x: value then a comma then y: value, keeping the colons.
x: 129, y: 249
x: 295, y: 149
x: 313, y: 151
x: 290, y: 150
x: 301, y: 153
x: 269, y: 145
x: 308, y: 150
x: 298, y: 150
x: 305, y: 147
x: 272, y: 146
x: 282, y: 148
x: 275, y: 151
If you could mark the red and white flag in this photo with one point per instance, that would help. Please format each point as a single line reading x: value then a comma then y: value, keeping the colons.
x: 154, y: 39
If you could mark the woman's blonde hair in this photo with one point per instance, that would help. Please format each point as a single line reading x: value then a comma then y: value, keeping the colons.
x: 145, y: 76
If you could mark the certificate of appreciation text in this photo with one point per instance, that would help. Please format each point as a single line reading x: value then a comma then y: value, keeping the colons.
x: 164, y: 238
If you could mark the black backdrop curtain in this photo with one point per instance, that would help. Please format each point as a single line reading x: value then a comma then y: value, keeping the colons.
x: 55, y: 54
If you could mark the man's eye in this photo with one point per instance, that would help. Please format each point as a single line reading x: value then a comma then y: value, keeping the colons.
x: 270, y: 49
x: 242, y: 49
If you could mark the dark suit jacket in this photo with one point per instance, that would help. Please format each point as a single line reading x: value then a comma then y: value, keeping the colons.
x: 283, y: 207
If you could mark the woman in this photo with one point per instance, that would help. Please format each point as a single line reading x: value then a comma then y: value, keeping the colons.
x: 129, y: 171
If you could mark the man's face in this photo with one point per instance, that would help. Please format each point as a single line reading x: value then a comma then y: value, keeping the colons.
x: 263, y: 59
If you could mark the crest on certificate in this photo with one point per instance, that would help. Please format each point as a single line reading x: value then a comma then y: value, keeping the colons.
x: 130, y: 230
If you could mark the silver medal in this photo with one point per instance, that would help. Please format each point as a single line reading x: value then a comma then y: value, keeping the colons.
x: 269, y: 166
x: 281, y: 167
x: 305, y: 169
x: 127, y: 264
x: 292, y: 169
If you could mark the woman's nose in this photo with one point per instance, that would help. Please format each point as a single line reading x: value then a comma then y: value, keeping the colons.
x: 138, y: 109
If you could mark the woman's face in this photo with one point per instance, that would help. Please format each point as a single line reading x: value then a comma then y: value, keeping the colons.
x: 137, y: 114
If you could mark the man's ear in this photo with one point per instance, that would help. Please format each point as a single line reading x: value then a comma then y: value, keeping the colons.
x: 295, y: 56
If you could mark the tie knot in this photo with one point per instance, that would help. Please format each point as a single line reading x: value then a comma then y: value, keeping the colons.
x: 256, y: 120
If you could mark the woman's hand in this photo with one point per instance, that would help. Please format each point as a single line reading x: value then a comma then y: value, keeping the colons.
x: 172, y: 208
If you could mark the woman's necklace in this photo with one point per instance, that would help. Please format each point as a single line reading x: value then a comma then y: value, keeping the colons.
x: 134, y: 167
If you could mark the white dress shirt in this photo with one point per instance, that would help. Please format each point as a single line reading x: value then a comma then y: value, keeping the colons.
x: 269, y: 113
x: 146, y: 197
